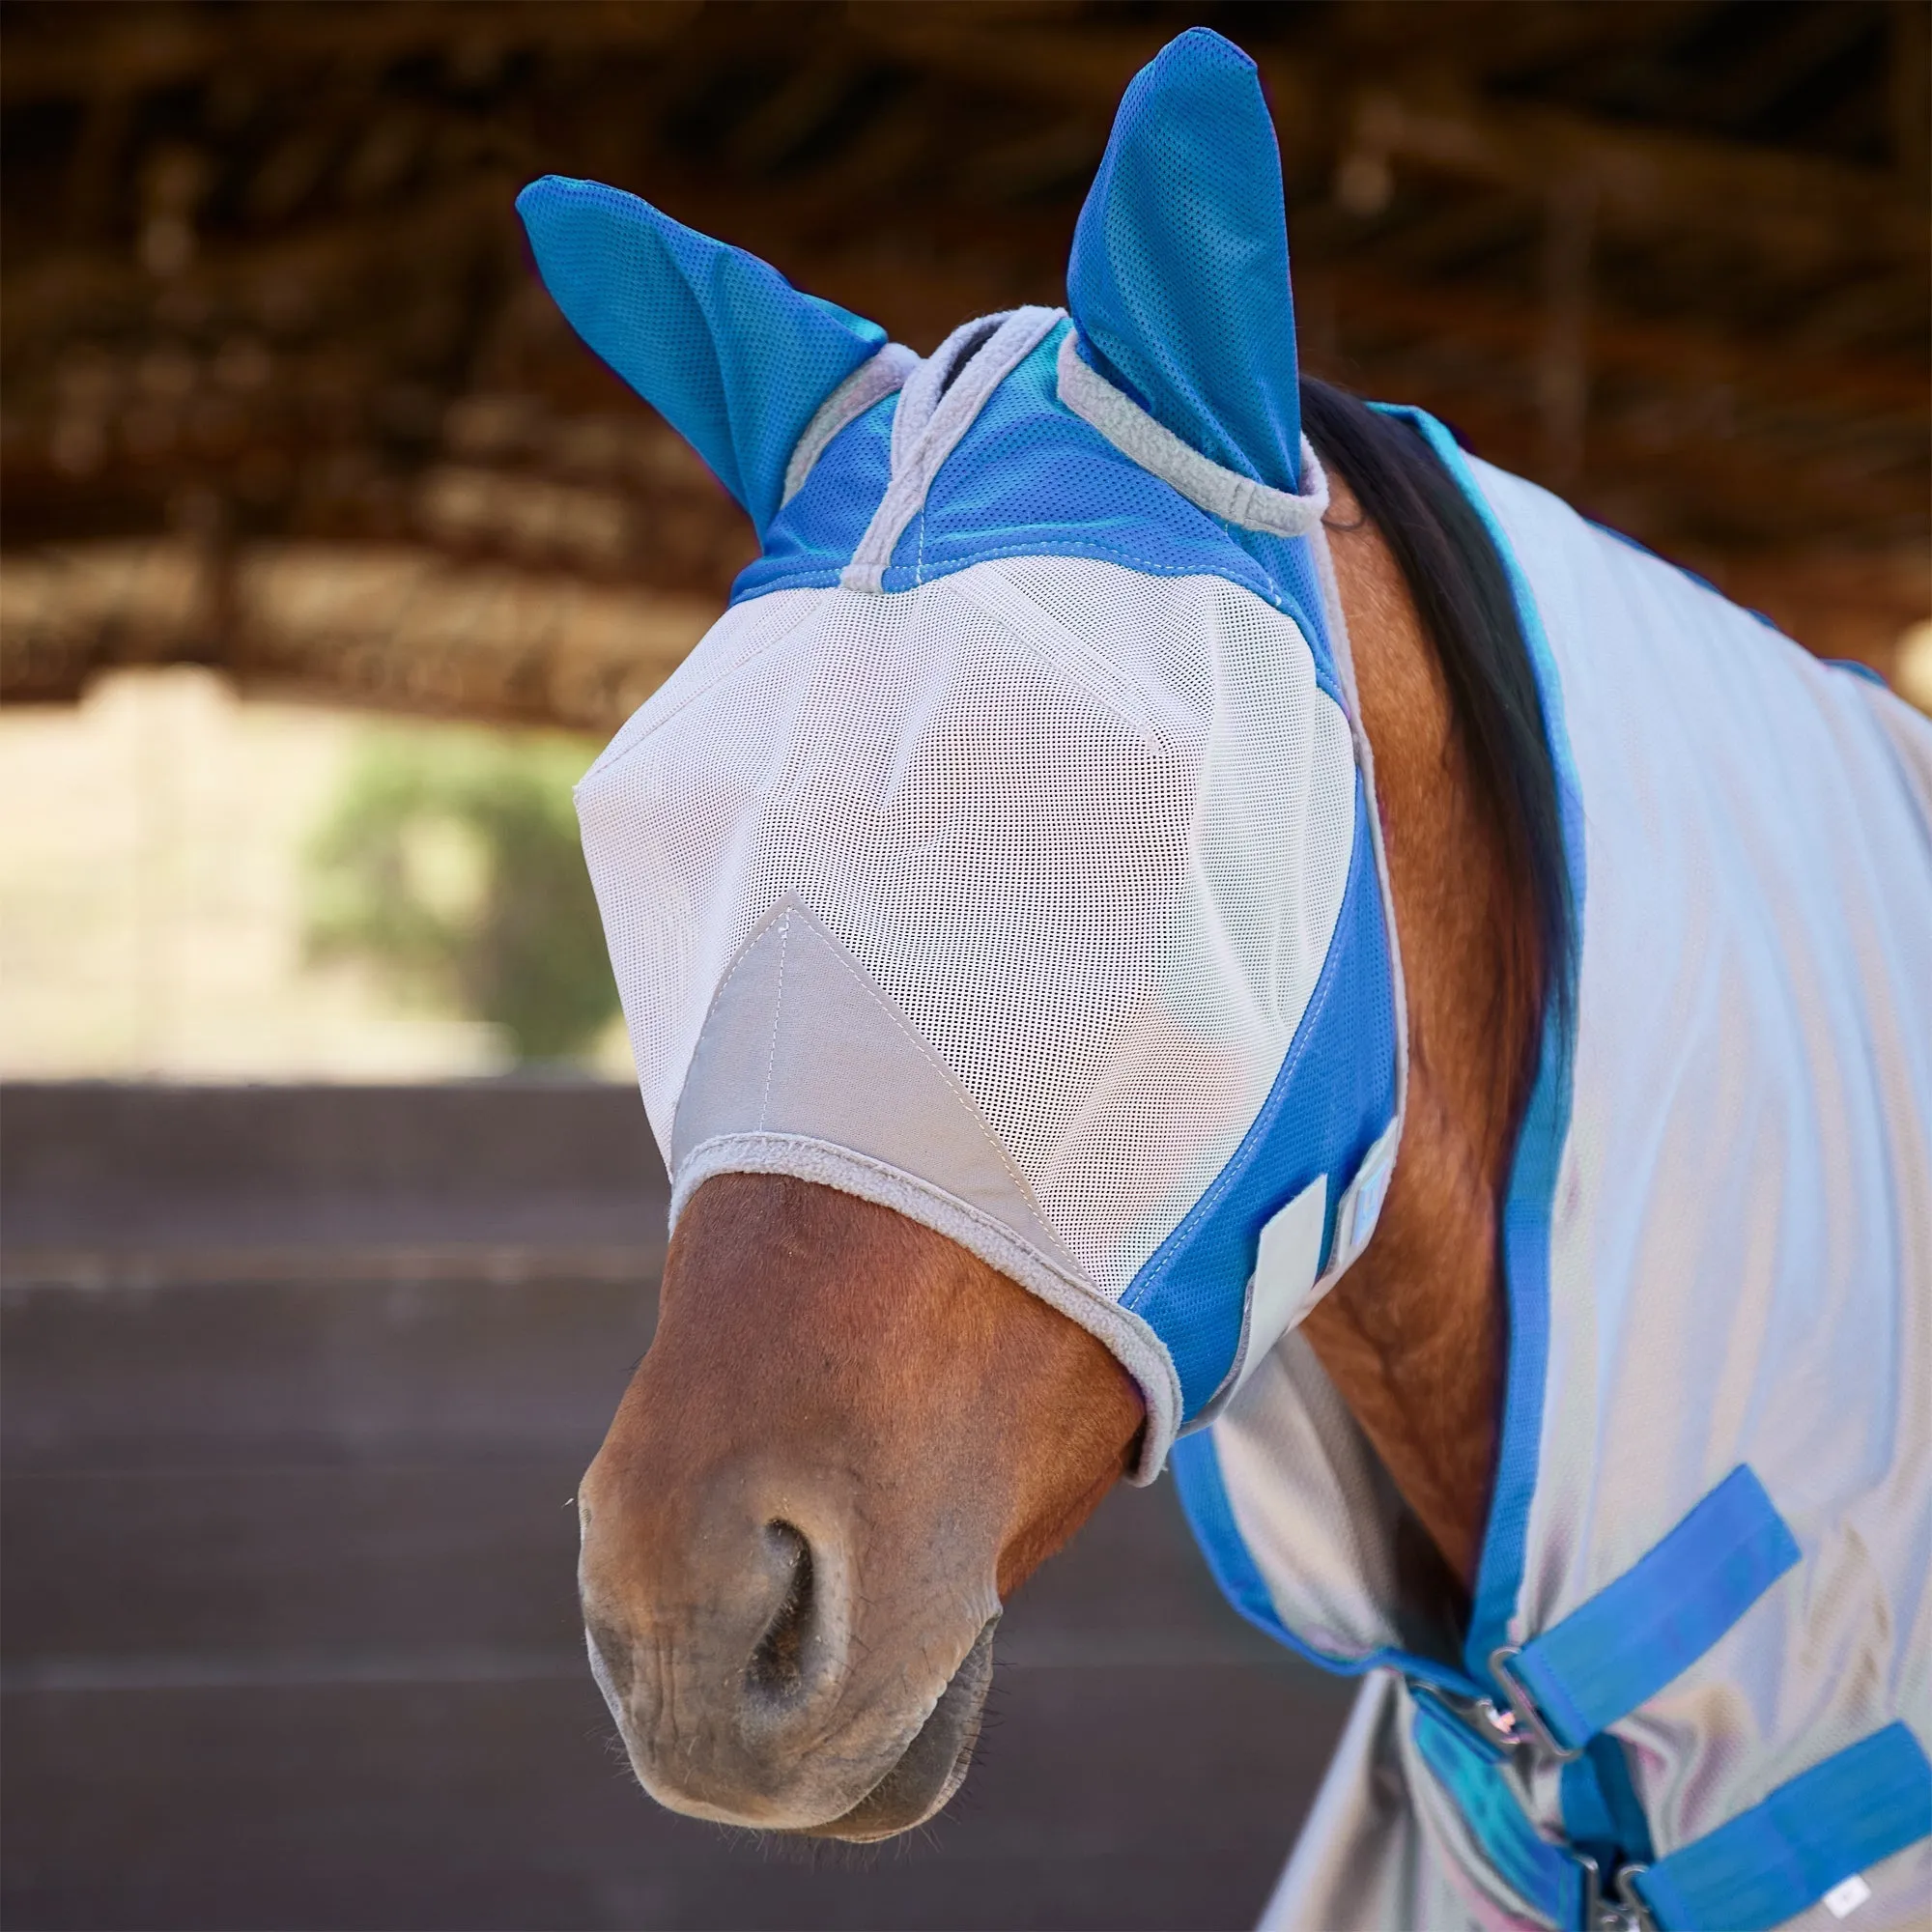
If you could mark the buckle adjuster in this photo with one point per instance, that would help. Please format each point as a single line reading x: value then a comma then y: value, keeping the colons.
x: 1524, y: 1705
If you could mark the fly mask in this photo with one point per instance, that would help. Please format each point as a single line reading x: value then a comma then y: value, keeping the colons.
x: 1006, y: 854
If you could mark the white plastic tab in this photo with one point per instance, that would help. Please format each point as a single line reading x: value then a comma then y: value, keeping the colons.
x: 1361, y: 1206
x: 1286, y: 1266
x: 1846, y: 1896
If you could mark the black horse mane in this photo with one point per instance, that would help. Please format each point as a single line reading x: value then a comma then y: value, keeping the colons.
x: 1461, y: 591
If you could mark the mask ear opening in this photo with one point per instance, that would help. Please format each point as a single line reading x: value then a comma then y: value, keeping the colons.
x: 1226, y: 493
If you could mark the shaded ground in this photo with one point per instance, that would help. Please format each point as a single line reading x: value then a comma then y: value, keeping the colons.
x: 297, y: 1385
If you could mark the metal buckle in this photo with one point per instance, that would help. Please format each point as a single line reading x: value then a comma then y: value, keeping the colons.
x: 1479, y: 1716
x: 1500, y: 1726
x: 1625, y: 1912
x: 1524, y: 1705
x: 1631, y: 1899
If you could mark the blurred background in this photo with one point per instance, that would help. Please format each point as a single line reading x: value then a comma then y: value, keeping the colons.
x: 331, y: 1223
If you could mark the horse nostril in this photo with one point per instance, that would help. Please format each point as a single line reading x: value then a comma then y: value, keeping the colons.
x: 776, y: 1672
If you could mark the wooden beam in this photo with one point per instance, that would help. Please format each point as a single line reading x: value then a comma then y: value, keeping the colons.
x: 1647, y: 181
x: 1821, y: 214
x: 150, y: 47
x: 393, y: 626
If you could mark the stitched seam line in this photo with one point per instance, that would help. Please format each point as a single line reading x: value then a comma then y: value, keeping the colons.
x: 778, y: 1014
x: 619, y: 749
x: 1126, y: 559
x: 964, y: 1099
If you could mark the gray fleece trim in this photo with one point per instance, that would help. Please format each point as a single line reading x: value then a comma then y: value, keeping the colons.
x: 923, y: 442
x: 1122, y: 1332
x: 865, y: 385
x: 1222, y: 493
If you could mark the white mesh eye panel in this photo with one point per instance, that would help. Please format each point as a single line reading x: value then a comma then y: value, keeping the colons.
x: 1089, y: 827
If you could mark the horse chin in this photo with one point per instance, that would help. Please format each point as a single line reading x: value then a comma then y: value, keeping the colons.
x: 933, y: 1766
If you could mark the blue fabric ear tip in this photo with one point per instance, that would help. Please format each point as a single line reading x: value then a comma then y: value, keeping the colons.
x: 734, y: 357
x: 1179, y: 278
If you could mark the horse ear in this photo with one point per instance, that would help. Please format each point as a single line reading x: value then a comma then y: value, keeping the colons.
x: 719, y: 342
x: 1179, y: 278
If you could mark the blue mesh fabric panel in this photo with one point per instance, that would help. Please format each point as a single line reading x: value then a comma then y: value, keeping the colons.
x: 1029, y: 479
x: 1334, y: 1094
x: 1179, y: 278
x: 813, y: 538
x: 735, y: 358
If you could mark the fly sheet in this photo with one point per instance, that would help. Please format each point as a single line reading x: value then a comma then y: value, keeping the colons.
x: 1709, y: 1538
x: 1007, y: 855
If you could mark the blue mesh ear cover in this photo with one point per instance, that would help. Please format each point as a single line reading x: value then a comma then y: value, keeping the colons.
x: 734, y: 357
x: 1179, y: 277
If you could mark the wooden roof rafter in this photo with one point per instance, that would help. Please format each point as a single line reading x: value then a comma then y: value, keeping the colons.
x: 261, y: 269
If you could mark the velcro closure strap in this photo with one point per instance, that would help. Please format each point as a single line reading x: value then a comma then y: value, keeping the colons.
x: 1769, y: 1864
x: 1634, y: 1635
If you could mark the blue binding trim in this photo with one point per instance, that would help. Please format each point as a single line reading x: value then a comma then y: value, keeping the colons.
x: 1770, y: 1863
x: 1526, y: 1243
x: 1204, y: 1500
x: 1854, y: 668
x: 1332, y: 1095
x: 1628, y: 1642
x: 1210, y: 1516
x: 1539, y: 1148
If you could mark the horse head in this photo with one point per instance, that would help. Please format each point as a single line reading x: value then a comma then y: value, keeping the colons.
x: 1004, y: 939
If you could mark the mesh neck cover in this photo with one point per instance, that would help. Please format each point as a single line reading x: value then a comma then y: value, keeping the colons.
x: 1004, y: 854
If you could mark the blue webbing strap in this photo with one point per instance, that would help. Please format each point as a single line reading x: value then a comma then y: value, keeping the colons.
x: 1547, y: 1875
x: 1607, y: 1826
x: 1658, y: 1617
x: 1770, y: 1863
x: 1601, y: 1813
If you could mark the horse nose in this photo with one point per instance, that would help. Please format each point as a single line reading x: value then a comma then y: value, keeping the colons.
x: 792, y: 1649
x: 722, y: 1659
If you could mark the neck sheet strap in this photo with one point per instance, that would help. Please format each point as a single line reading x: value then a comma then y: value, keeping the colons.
x: 1623, y: 1646
x: 1811, y: 1838
x: 1611, y: 1655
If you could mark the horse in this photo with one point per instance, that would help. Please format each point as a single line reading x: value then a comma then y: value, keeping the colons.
x: 1389, y: 1264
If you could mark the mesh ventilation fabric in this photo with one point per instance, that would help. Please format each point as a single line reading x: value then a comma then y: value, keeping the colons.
x: 1089, y: 827
x: 1179, y: 277
x: 736, y: 359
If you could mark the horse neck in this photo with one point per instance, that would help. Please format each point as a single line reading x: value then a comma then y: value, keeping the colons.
x: 1413, y: 1337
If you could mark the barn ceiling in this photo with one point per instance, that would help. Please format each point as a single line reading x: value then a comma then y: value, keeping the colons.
x: 278, y: 390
